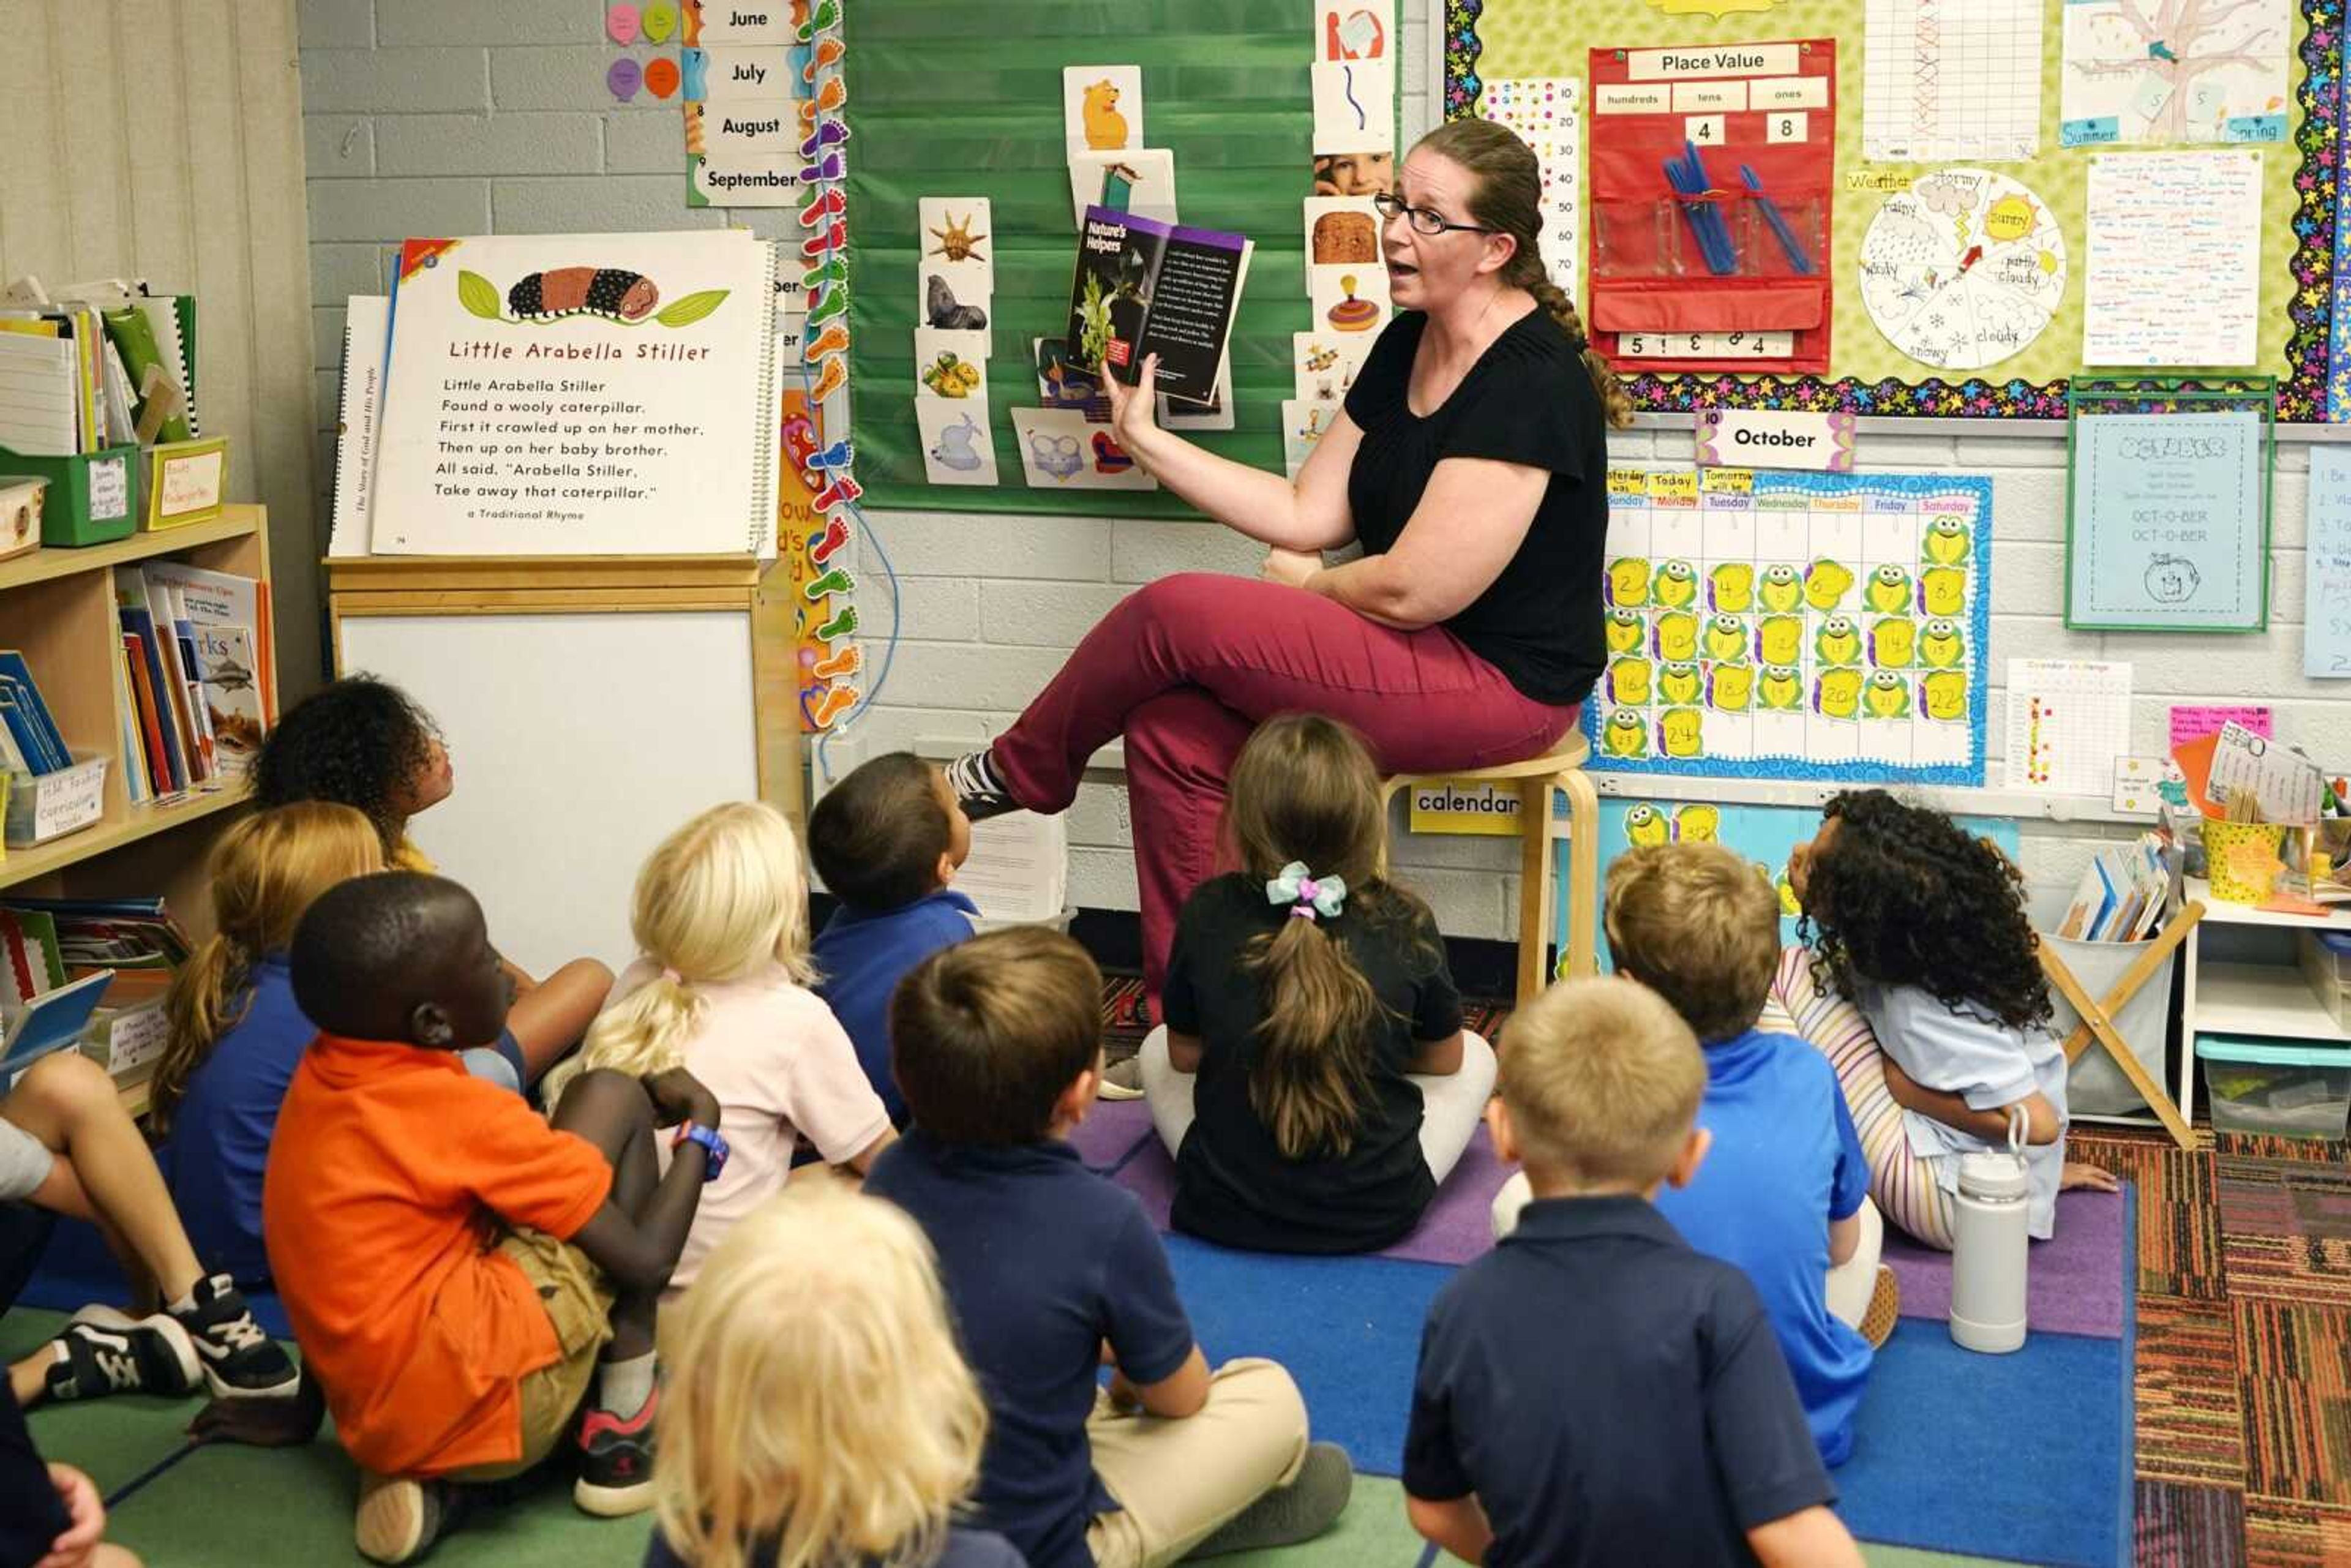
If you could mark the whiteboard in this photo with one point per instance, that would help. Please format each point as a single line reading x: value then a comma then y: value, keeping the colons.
x: 579, y: 741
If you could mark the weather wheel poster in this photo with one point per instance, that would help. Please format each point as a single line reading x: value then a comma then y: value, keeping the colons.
x: 1799, y: 626
x: 579, y: 394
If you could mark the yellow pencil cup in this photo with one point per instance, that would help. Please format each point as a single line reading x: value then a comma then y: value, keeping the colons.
x: 2237, y: 853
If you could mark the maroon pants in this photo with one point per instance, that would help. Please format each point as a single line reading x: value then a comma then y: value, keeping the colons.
x: 1187, y: 666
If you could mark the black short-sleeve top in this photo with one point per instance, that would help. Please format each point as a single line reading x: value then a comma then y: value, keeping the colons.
x: 1527, y: 400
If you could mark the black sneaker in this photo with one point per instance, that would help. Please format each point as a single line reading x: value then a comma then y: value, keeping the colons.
x: 616, y: 1461
x: 399, y: 1519
x: 240, y: 1361
x: 977, y: 789
x: 110, y: 1352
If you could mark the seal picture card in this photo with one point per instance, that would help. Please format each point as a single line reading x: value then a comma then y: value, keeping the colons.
x: 958, y: 445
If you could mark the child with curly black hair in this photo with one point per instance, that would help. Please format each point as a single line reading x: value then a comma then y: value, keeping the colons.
x: 364, y: 742
x: 1921, y: 981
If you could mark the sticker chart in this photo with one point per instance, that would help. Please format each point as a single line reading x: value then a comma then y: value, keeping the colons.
x: 1949, y: 81
x: 1795, y: 626
x: 2068, y: 721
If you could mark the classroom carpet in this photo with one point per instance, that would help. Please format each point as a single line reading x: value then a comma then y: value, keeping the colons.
x: 2240, y: 1342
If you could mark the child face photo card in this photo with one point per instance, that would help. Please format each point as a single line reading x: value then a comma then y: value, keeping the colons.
x: 1142, y: 182
x: 1058, y: 450
x: 1102, y: 108
x: 960, y: 244
x: 1338, y: 173
x: 1354, y: 107
x: 958, y: 447
x: 951, y: 365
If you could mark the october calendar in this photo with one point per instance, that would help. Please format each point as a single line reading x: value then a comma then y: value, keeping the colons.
x: 1795, y: 626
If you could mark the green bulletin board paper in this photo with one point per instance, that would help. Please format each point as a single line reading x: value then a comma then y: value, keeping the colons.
x: 1548, y: 37
x: 952, y: 98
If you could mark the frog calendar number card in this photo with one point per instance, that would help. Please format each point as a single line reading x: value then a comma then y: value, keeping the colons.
x: 1794, y: 626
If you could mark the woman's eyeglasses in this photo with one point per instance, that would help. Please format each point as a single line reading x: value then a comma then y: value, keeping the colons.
x: 1424, y: 220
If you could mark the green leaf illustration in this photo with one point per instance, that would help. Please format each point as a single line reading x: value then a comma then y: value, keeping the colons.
x: 692, y: 308
x: 479, y: 295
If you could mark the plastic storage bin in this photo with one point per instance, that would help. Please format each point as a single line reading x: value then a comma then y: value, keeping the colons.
x: 2259, y: 1086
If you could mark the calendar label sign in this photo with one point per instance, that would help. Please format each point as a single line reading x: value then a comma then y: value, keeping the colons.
x: 1768, y: 438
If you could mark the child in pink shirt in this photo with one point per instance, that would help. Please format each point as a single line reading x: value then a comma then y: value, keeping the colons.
x: 720, y: 915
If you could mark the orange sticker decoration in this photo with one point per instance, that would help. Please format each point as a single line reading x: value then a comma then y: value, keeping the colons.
x: 661, y: 77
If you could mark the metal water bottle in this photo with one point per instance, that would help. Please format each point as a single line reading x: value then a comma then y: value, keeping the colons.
x: 1989, y: 1245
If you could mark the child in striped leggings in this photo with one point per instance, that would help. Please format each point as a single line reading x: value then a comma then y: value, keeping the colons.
x: 1918, y: 978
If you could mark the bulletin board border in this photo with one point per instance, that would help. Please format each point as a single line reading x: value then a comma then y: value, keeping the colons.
x: 2302, y: 394
x: 1709, y: 770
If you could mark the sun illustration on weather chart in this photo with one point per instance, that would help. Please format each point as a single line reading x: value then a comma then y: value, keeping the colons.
x: 956, y: 242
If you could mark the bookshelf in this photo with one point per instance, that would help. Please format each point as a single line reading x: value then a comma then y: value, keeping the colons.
x: 57, y: 606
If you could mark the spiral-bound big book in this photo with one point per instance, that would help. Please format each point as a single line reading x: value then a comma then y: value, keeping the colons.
x: 580, y: 394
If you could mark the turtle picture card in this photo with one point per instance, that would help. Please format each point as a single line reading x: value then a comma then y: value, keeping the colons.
x: 958, y: 444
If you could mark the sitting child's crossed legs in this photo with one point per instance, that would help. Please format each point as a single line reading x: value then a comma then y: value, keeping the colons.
x: 1901, y: 1183
x: 1176, y: 1481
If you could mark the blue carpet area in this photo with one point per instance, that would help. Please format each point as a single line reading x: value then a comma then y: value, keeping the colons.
x: 2020, y: 1457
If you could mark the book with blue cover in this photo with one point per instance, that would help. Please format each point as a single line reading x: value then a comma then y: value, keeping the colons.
x: 34, y: 729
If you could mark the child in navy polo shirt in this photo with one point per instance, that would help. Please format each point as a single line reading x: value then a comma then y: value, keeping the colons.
x: 886, y: 840
x: 1052, y: 1272
x: 1593, y: 1391
x: 1785, y: 1192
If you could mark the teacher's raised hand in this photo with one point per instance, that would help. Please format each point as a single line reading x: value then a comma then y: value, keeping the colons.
x: 1132, y: 410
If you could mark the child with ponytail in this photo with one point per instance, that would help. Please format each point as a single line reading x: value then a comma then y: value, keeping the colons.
x: 720, y: 917
x: 1312, y: 1078
x: 235, y: 1033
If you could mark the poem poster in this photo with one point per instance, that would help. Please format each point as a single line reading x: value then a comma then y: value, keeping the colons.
x: 579, y: 394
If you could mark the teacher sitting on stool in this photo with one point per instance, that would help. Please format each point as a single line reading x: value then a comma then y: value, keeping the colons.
x: 1470, y: 464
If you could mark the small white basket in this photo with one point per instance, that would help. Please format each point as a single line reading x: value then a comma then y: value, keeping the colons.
x: 44, y: 806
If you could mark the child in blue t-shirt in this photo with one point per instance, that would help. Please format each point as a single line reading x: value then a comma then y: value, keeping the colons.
x: 1784, y: 1190
x: 886, y: 840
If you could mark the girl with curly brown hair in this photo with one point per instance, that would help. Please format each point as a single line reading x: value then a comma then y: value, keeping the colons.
x: 1920, y: 978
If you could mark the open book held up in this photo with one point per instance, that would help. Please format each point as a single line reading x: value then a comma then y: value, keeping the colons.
x: 1145, y: 287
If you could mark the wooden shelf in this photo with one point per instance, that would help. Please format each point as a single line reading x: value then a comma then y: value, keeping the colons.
x: 138, y: 822
x: 2263, y: 999
x: 235, y: 522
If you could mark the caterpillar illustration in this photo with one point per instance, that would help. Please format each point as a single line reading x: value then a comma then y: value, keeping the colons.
x: 609, y: 291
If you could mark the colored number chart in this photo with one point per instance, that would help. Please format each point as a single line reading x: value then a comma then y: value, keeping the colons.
x: 1796, y: 626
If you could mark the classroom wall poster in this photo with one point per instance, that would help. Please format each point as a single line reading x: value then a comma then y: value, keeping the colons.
x: 2169, y: 522
x: 2326, y: 607
x: 1795, y: 626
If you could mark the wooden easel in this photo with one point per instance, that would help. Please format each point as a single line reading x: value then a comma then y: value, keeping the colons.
x: 2098, y: 1015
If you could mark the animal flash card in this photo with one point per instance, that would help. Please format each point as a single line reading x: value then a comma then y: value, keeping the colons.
x: 1102, y: 108
x: 1798, y: 626
x: 959, y: 239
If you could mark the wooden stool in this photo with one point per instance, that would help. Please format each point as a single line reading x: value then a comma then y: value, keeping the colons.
x: 1537, y: 776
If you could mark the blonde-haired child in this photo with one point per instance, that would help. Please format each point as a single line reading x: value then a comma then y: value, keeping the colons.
x: 819, y: 1412
x: 720, y: 917
x: 1313, y: 1079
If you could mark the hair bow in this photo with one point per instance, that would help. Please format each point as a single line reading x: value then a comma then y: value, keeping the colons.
x: 1309, y: 895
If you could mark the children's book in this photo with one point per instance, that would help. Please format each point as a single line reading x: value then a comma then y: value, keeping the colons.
x: 150, y: 729
x: 139, y: 623
x: 34, y: 731
x: 1144, y: 288
x: 223, y: 599
x: 367, y: 321
x: 232, y: 696
x: 54, y: 1020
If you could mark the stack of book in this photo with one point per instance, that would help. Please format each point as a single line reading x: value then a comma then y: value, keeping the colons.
x: 30, y: 742
x: 2126, y: 892
x: 102, y: 965
x: 98, y: 364
x: 195, y: 686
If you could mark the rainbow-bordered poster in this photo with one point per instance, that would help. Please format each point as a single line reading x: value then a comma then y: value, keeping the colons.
x: 1799, y: 626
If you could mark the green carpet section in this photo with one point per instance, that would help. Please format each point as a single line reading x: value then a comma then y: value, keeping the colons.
x: 111, y: 1440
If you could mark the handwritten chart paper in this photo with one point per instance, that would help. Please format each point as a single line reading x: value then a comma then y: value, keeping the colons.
x: 2326, y: 618
x: 1787, y: 625
x: 2167, y: 524
x: 2174, y: 272
x: 1952, y: 81
x: 2068, y: 720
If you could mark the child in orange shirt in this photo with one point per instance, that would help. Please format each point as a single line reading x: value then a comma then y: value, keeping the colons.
x: 458, y: 1271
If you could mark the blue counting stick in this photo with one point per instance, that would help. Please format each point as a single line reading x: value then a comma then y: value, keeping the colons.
x: 1798, y: 257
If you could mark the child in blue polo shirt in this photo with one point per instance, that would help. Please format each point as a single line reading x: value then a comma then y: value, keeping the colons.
x: 1054, y: 1272
x: 886, y: 840
x: 1593, y: 1391
x: 1784, y: 1194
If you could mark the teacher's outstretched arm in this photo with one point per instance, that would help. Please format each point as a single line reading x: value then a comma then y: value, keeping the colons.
x: 1312, y: 515
x: 1470, y: 521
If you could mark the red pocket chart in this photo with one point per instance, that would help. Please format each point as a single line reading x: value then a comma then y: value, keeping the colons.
x: 1713, y: 167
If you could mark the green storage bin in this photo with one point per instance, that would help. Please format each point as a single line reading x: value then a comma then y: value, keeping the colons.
x: 2261, y: 1086
x: 93, y: 497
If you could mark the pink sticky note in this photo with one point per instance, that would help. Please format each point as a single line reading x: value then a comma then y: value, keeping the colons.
x: 626, y: 77
x: 2194, y: 721
x: 621, y: 23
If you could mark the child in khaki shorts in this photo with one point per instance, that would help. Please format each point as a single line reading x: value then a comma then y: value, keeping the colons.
x: 457, y: 1270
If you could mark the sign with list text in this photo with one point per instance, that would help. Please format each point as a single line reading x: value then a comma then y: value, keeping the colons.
x: 2168, y: 523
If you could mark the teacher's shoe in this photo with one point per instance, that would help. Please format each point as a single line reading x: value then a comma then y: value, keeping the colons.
x: 977, y: 789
